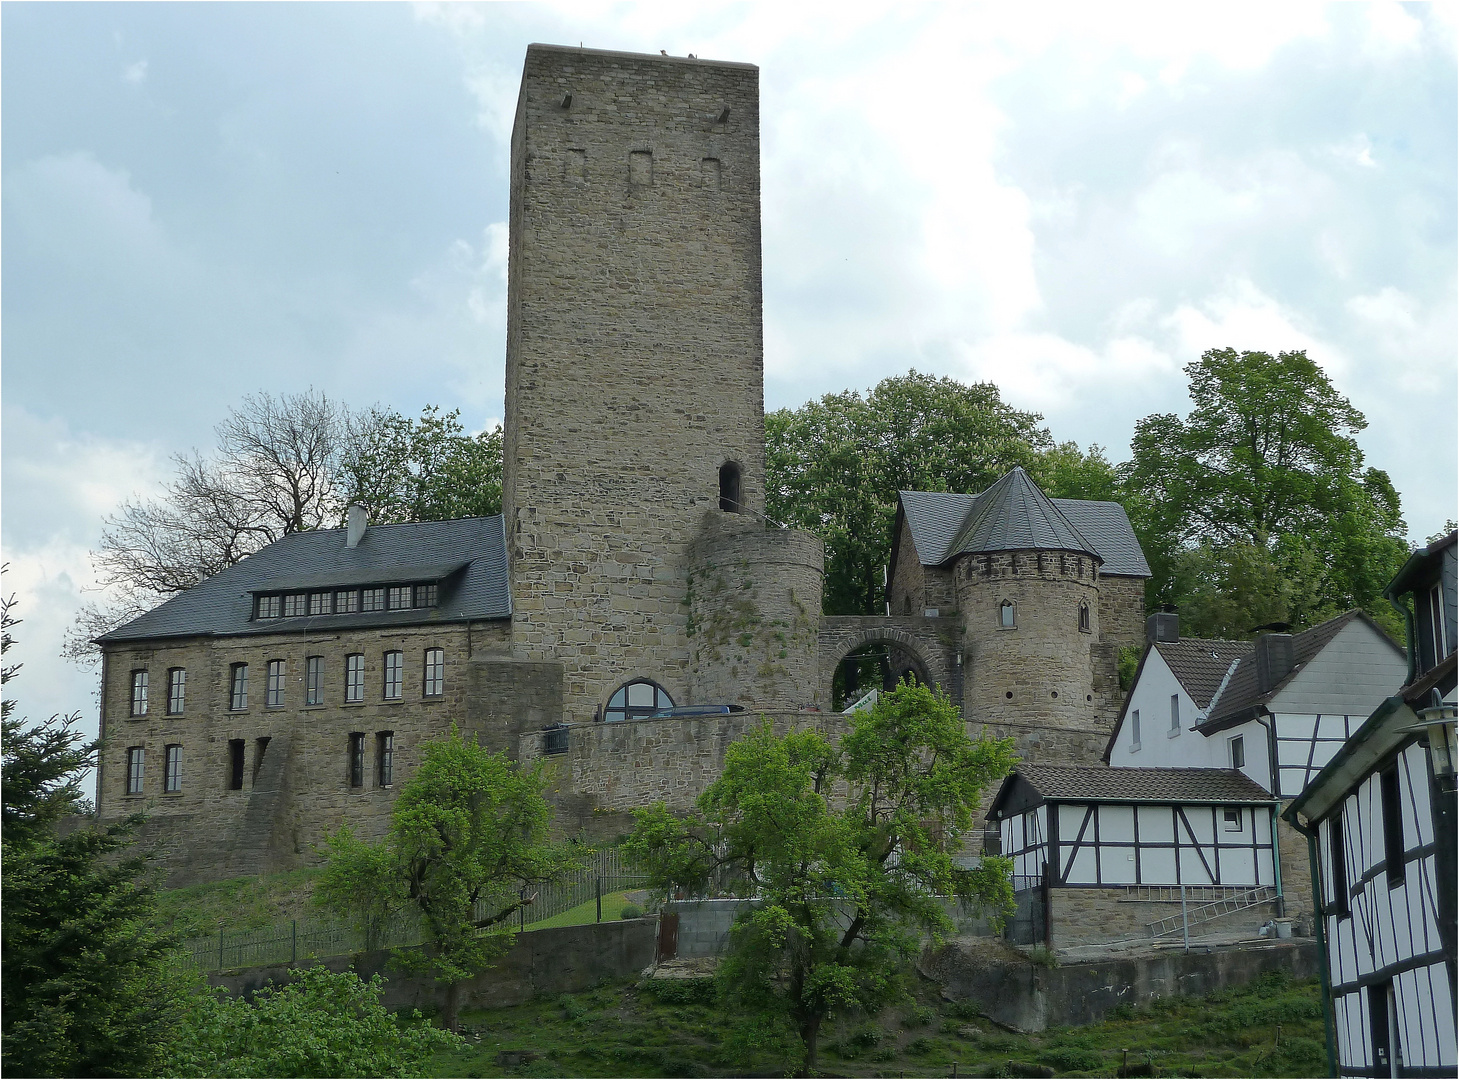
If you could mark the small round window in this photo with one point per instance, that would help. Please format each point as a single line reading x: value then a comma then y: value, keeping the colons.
x: 637, y: 699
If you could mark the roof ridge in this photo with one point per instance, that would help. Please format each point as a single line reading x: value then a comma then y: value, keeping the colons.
x: 997, y: 497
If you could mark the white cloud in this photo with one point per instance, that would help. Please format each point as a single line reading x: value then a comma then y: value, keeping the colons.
x: 1242, y: 317
x: 135, y: 73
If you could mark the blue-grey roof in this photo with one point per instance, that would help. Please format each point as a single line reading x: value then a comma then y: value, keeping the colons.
x: 1014, y: 515
x: 466, y: 556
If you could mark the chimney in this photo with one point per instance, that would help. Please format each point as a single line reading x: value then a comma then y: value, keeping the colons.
x: 1162, y: 626
x: 355, y: 522
x: 1274, y: 661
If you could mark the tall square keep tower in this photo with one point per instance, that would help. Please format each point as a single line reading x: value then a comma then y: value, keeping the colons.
x: 634, y: 390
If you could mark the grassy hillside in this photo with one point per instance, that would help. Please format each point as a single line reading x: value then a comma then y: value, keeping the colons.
x: 1272, y: 1027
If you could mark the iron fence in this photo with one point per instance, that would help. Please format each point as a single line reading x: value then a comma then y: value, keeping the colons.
x: 316, y: 938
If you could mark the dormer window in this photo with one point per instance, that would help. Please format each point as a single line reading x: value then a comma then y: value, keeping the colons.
x: 346, y: 601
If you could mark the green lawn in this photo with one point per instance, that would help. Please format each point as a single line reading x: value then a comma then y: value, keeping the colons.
x: 621, y: 1030
x: 585, y: 913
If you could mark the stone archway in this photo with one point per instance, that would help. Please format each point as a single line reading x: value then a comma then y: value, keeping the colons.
x: 931, y: 644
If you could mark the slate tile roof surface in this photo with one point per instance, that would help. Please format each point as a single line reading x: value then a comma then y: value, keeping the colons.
x: 467, y: 556
x: 1202, y: 665
x: 1243, y: 692
x: 1106, y: 784
x: 1014, y: 515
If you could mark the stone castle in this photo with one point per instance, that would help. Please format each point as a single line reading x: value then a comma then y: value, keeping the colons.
x: 631, y: 612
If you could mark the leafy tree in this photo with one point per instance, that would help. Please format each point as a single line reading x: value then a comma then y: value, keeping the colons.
x: 422, y: 470
x: 467, y: 835
x: 1257, y: 507
x: 319, y: 1024
x: 834, y: 467
x: 848, y: 848
x: 85, y: 991
x: 282, y: 465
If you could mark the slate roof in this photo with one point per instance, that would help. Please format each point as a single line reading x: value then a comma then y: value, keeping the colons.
x: 1201, y: 666
x: 1014, y: 515
x: 466, y: 556
x: 1085, y: 783
x: 1243, y: 694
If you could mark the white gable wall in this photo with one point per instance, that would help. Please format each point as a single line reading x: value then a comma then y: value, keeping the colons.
x: 1353, y: 675
x: 1157, y: 747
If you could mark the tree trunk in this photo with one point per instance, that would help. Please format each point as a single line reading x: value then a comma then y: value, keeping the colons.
x: 810, y: 1030
x: 452, y: 1006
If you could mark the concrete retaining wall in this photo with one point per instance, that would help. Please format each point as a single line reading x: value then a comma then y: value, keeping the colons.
x: 704, y: 925
x: 1029, y: 997
x: 562, y: 960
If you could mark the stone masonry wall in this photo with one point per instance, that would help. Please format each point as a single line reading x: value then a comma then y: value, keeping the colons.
x: 1121, y: 624
x: 634, y: 353
x: 612, y: 768
x: 296, y: 786
x: 754, y: 609
x: 913, y: 587
x: 1034, y: 681
x: 1086, y: 916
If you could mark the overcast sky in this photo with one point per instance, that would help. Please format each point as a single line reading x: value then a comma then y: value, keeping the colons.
x: 205, y: 200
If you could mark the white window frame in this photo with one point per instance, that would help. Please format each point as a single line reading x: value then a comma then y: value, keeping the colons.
x: 277, y: 679
x: 354, y: 678
x: 172, y: 769
x: 434, y: 682
x: 393, y: 683
x: 139, y: 692
x: 176, y: 690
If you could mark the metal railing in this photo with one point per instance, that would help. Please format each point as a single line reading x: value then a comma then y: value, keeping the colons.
x: 316, y: 938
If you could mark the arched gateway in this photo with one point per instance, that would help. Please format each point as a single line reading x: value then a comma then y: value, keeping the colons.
x: 930, y: 644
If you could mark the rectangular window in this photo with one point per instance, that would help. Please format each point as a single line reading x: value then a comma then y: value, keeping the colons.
x: 275, y: 684
x: 1238, y: 752
x: 394, y: 675
x: 1338, y: 858
x: 238, y: 687
x: 321, y: 603
x: 1135, y: 730
x: 372, y: 599
x: 270, y: 607
x: 176, y: 689
x: 354, y: 677
x: 385, y: 757
x: 1175, y: 714
x: 172, y: 774
x: 399, y: 597
x: 136, y: 762
x: 314, y: 680
x: 1232, y: 817
x: 139, y: 693
x: 1392, y: 827
x: 235, y: 764
x: 296, y: 604
x: 435, y: 674
x: 357, y: 759
x: 425, y: 596
x: 346, y: 601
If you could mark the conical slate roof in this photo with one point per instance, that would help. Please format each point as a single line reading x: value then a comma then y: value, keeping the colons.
x: 1014, y: 515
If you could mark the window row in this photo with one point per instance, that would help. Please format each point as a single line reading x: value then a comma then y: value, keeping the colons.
x: 176, y: 691
x: 384, y: 764
x: 1008, y: 616
x: 433, y: 679
x: 345, y: 601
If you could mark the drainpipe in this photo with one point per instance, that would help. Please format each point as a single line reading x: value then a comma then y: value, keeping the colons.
x: 1270, y: 724
x: 1410, y: 635
x: 1320, y: 921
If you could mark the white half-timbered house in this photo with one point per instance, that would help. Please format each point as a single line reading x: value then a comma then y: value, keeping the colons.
x: 1380, y: 820
x: 1108, y: 850
x: 1276, y: 709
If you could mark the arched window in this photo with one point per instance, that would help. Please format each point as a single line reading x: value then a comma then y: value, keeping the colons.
x: 1084, y: 617
x: 637, y: 699
x: 1005, y: 615
x: 729, y: 487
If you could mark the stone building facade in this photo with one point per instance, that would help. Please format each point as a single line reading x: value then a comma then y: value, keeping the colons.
x: 632, y: 572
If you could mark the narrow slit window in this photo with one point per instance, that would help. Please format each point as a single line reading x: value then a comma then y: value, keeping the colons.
x: 1134, y: 730
x: 729, y: 487
x: 1175, y: 714
x: 1006, y: 615
x: 1392, y: 827
x: 235, y: 764
x: 1338, y: 857
x: 357, y: 759
x: 1238, y: 752
x: 385, y: 758
x: 1084, y: 618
